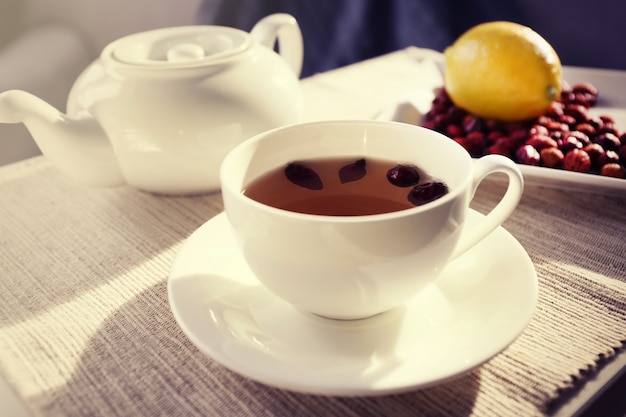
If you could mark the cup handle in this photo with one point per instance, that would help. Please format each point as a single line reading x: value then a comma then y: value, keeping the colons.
x: 284, y: 28
x: 483, y: 167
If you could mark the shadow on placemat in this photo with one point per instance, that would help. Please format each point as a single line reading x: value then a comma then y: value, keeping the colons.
x: 139, y: 363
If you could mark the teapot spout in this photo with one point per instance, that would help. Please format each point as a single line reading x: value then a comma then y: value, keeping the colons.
x: 77, y: 147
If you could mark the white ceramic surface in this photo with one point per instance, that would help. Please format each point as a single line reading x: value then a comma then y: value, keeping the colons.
x: 357, y: 266
x: 160, y: 109
x: 479, y: 305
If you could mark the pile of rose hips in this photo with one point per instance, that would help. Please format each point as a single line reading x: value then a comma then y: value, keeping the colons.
x: 566, y: 136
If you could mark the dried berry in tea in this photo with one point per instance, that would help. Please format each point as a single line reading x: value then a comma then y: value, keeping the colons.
x: 427, y: 192
x: 352, y: 172
x: 303, y: 176
x: 403, y: 175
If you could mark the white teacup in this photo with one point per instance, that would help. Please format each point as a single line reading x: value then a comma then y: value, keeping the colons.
x: 349, y: 267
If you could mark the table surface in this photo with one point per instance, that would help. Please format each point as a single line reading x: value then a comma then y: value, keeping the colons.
x: 86, y: 329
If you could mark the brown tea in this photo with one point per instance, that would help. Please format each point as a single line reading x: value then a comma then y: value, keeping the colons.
x: 345, y: 187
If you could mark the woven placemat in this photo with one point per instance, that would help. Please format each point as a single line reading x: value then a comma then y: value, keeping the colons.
x: 86, y: 329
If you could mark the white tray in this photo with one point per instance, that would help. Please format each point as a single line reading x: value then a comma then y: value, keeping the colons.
x: 611, y: 85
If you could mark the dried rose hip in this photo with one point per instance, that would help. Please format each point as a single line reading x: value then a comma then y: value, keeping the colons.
x: 613, y: 170
x: 538, y: 129
x: 352, y: 172
x: 427, y: 192
x: 527, y: 155
x: 581, y: 136
x: 540, y: 142
x: 454, y: 130
x: 577, y: 111
x: 577, y: 160
x: 499, y: 149
x: 596, y: 154
x: 303, y: 176
x: 403, y: 175
x: 609, y: 157
x: 622, y: 154
x: 608, y: 141
x: 551, y: 157
x: 586, y: 88
x: 569, y: 143
x: 586, y: 128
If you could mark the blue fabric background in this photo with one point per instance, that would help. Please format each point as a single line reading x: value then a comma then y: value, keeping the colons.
x: 340, y: 32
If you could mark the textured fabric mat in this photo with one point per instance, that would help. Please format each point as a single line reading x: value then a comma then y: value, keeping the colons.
x: 86, y: 329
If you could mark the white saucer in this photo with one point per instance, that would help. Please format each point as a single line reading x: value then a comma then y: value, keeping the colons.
x: 478, y: 306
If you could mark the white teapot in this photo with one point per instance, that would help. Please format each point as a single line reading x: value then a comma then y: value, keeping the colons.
x: 160, y: 109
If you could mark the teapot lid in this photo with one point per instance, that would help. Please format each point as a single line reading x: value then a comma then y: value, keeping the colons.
x: 177, y: 46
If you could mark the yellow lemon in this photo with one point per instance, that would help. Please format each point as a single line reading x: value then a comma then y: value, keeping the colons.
x: 502, y: 70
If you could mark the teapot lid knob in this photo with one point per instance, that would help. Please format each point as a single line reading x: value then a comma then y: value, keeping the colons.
x: 185, y: 52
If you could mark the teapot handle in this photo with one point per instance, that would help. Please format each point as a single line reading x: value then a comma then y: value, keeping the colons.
x: 284, y: 28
